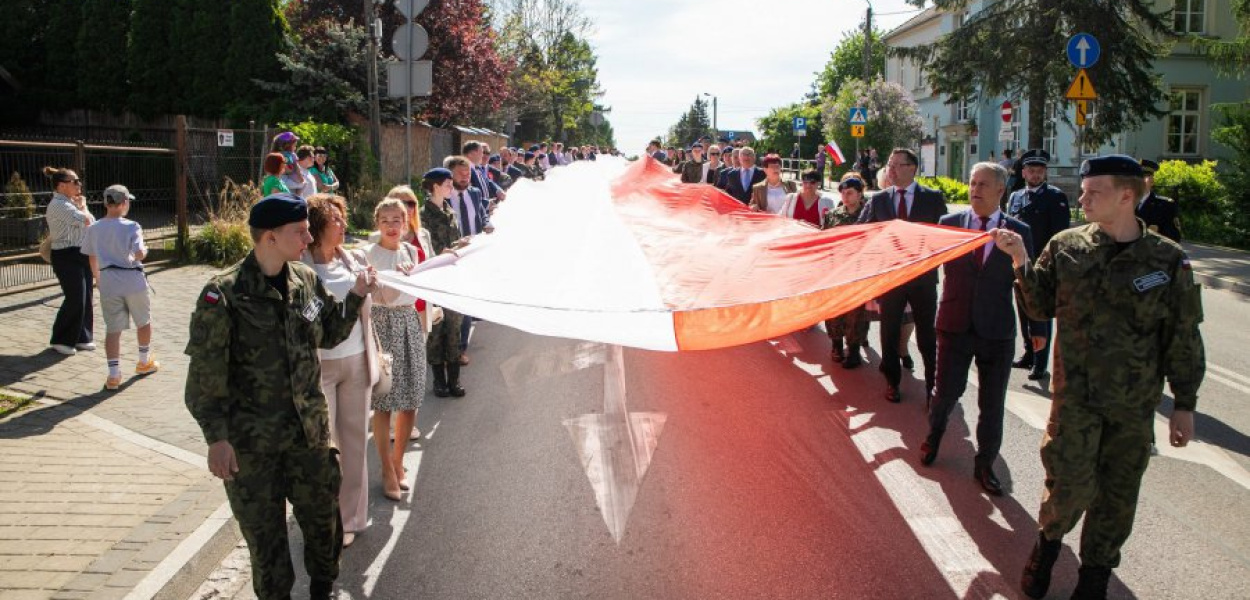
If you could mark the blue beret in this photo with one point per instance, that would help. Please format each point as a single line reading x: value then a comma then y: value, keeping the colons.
x: 1149, y: 166
x: 1035, y: 157
x: 534, y: 148
x: 698, y: 145
x: 276, y: 210
x: 494, y: 158
x: 1112, y: 164
x: 437, y: 175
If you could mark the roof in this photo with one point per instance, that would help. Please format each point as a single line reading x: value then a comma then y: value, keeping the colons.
x: 925, y: 16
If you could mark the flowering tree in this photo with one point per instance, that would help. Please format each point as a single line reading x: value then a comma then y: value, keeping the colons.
x: 893, y: 117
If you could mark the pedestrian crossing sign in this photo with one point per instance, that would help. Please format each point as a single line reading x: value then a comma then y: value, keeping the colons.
x: 859, y: 115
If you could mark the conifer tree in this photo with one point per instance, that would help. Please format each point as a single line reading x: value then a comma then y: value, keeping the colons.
x: 257, y: 33
x: 103, y: 33
x: 150, y: 58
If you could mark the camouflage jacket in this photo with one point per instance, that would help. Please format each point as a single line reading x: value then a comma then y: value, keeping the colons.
x: 691, y: 171
x: 441, y: 223
x: 254, y: 371
x: 1126, y: 320
x: 840, y: 215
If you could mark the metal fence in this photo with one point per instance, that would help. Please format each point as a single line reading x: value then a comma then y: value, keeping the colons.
x: 147, y: 161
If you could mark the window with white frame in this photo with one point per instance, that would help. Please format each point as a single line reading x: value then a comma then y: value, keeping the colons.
x: 1050, y: 129
x: 963, y: 112
x: 1184, y: 120
x: 1189, y: 16
x: 919, y: 77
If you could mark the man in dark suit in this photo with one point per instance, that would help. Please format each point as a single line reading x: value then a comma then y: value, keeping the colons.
x: 976, y: 321
x: 475, y: 151
x: 738, y: 181
x: 1044, y: 208
x: 1161, y: 214
x: 469, y: 204
x: 909, y: 201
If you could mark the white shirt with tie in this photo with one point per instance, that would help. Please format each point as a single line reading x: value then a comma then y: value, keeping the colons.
x: 909, y: 196
x: 463, y: 202
x: 985, y: 224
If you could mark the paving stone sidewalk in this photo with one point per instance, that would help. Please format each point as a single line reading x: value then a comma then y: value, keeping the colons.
x: 105, y: 494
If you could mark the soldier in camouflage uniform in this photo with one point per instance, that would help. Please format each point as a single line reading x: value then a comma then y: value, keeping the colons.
x: 437, y: 217
x: 852, y: 326
x: 254, y: 387
x: 1128, y: 312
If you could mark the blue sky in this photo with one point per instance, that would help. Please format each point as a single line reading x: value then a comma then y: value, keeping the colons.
x: 654, y: 56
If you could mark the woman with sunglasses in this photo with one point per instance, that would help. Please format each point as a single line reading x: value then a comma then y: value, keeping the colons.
x: 68, y: 219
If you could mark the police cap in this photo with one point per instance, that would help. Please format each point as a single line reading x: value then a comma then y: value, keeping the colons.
x: 1035, y: 157
x: 276, y: 210
x: 1112, y: 164
x: 1149, y: 166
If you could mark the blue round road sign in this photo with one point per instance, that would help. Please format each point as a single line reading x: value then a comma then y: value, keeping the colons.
x: 1083, y: 50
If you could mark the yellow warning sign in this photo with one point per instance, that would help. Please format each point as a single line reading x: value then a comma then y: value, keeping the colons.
x: 1082, y: 88
x: 857, y: 131
x: 1082, y: 112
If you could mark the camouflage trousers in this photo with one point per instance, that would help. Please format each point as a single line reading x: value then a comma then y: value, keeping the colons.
x: 443, y: 345
x: 310, y: 479
x: 853, y: 326
x: 1094, y: 459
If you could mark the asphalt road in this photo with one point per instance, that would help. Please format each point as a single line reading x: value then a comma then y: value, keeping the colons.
x: 765, y: 472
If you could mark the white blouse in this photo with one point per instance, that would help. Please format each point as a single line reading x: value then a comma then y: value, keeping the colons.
x: 339, y: 280
x: 776, y: 198
x: 390, y: 260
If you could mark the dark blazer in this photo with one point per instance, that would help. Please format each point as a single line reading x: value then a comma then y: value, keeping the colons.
x: 1160, y: 214
x: 1046, y: 214
x: 481, y: 218
x: 733, y: 183
x: 480, y: 180
x: 927, y: 207
x: 979, y: 297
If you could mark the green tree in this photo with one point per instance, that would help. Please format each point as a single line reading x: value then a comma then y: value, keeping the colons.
x: 692, y: 125
x: 324, y: 80
x: 149, y: 67
x: 777, y: 128
x: 62, y: 18
x: 209, y: 38
x: 183, y: 53
x: 893, y: 117
x: 1231, y: 56
x: 103, y: 33
x: 972, y: 61
x: 847, y: 62
x: 257, y: 34
x: 23, y: 45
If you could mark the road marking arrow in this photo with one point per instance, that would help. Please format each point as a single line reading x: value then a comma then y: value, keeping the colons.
x: 615, y: 447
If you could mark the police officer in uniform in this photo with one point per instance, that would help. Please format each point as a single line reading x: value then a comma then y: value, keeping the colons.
x: 254, y: 388
x: 1160, y: 213
x: 1128, y: 311
x: 1044, y: 208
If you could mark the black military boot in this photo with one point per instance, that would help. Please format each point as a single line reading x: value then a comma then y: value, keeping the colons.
x: 1092, y: 583
x: 1036, y: 579
x: 440, y: 380
x: 852, y: 359
x: 320, y: 590
x: 453, y: 380
x: 836, y: 354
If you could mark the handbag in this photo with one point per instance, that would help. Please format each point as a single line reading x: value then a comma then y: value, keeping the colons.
x: 45, y: 249
x: 386, y: 369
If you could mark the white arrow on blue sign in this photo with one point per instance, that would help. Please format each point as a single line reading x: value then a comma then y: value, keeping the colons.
x: 859, y: 116
x: 1083, y: 50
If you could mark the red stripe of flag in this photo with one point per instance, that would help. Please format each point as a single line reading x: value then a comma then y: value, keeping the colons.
x: 835, y: 153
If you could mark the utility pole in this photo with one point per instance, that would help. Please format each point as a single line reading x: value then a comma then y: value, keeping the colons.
x: 868, y: 45
x: 375, y: 118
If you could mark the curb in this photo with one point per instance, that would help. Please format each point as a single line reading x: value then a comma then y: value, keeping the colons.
x: 191, y: 562
x: 1222, y: 283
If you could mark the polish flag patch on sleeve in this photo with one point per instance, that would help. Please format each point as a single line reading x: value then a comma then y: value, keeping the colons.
x: 212, y: 297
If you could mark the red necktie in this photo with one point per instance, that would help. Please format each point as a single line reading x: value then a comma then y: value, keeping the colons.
x: 902, y: 205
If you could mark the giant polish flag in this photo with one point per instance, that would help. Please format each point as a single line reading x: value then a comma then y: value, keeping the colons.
x: 623, y: 253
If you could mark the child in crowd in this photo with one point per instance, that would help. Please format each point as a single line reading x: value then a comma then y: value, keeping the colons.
x: 116, y: 250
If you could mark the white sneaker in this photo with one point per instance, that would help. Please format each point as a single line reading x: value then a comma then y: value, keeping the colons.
x: 63, y: 349
x: 86, y: 347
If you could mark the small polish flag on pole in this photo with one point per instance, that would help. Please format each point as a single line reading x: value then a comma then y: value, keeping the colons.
x: 835, y: 153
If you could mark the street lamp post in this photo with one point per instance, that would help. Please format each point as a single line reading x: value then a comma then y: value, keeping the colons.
x: 715, y: 130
